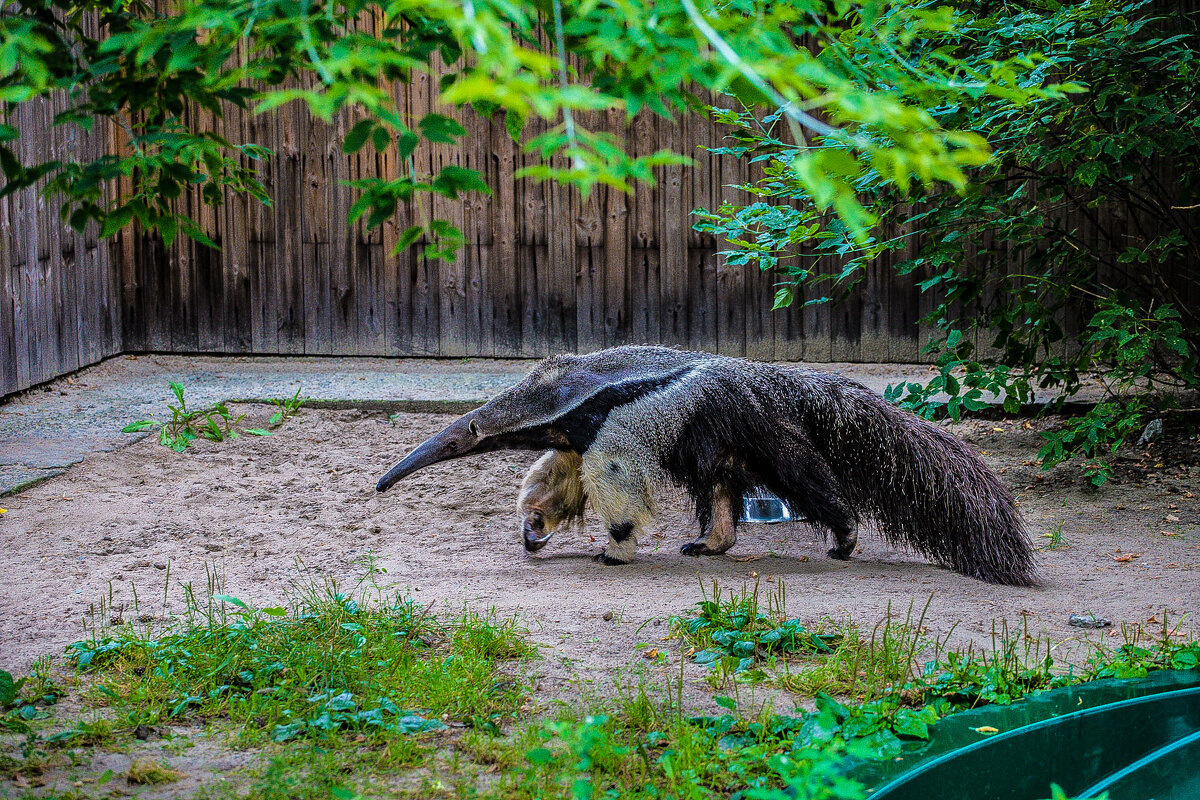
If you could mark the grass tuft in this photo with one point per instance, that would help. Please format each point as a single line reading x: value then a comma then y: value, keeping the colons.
x: 148, y: 772
x: 327, y: 665
x: 860, y: 666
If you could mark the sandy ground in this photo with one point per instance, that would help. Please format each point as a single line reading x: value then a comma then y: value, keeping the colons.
x: 268, y: 514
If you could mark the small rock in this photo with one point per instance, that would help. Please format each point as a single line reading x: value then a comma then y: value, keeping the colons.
x: 144, y: 732
x: 1172, y: 518
x: 608, y: 615
x: 1088, y: 621
x: 1152, y: 431
x: 160, y: 565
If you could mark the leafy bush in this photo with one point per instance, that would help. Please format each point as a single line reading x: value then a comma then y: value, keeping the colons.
x: 1076, y: 247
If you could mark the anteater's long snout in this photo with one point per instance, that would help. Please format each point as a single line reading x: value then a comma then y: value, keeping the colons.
x: 459, y: 439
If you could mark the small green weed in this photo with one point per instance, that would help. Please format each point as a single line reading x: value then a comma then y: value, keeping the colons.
x: 348, y: 696
x: 1055, y: 536
x: 148, y: 772
x: 1141, y: 653
x: 642, y: 745
x: 859, y: 666
x: 743, y: 643
x: 286, y: 409
x: 23, y: 700
x: 1016, y: 665
x: 216, y: 423
x: 733, y: 635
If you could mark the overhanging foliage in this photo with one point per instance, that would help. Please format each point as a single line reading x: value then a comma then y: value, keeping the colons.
x: 147, y: 64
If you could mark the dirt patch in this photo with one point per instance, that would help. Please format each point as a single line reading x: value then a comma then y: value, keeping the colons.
x: 264, y: 514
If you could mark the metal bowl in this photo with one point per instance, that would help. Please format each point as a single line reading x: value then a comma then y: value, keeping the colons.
x: 763, y: 506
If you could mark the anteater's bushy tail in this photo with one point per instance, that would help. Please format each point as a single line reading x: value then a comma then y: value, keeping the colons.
x: 839, y: 453
x: 923, y: 487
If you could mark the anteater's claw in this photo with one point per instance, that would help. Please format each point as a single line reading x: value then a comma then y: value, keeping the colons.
x: 696, y: 549
x: 607, y: 560
x: 840, y: 555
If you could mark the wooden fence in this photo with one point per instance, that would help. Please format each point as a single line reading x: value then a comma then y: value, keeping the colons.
x: 60, y: 304
x: 544, y: 270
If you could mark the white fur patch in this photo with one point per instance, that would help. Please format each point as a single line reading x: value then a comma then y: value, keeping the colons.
x: 622, y: 551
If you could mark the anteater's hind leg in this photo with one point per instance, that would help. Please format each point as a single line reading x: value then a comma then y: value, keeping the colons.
x: 845, y: 539
x: 620, y: 495
x: 552, y: 495
x: 809, y: 486
x: 722, y: 529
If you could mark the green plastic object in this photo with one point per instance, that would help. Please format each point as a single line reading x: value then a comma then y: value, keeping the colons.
x: 1135, y: 739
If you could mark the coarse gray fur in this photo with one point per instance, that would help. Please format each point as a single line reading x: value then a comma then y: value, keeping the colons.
x: 623, y: 421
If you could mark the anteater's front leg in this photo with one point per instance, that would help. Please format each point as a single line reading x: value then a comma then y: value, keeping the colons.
x: 551, y: 496
x: 722, y: 529
x: 620, y: 495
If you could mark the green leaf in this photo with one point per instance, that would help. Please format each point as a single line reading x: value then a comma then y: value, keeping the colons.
x: 407, y: 143
x: 453, y: 179
x: 116, y: 220
x: 438, y: 128
x: 358, y: 135
x: 224, y: 598
x: 408, y: 238
x: 912, y: 726
x: 140, y: 425
x: 168, y: 227
x: 514, y: 124
x: 257, y: 432
x: 381, y: 139
x: 539, y: 756
x: 8, y: 689
x: 878, y: 746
